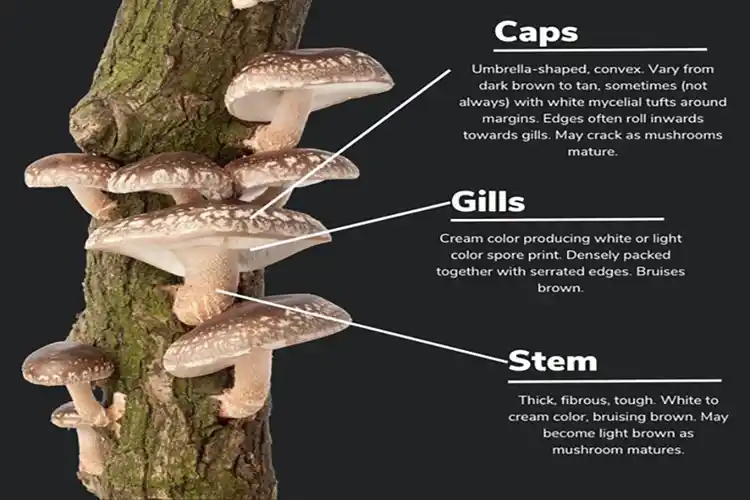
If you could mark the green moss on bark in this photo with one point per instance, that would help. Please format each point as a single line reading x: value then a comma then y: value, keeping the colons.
x: 157, y: 88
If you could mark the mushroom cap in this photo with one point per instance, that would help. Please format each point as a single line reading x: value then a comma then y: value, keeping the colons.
x: 66, y: 362
x: 281, y: 168
x: 217, y: 343
x: 174, y: 170
x: 334, y: 75
x: 155, y: 237
x: 70, y: 169
x: 66, y: 416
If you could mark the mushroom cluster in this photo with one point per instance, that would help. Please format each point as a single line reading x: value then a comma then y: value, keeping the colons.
x: 225, y: 220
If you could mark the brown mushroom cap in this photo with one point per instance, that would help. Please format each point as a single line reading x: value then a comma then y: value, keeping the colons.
x: 279, y: 168
x: 66, y: 416
x: 334, y: 75
x: 220, y: 341
x: 153, y: 237
x: 67, y: 362
x: 174, y: 170
x: 70, y: 170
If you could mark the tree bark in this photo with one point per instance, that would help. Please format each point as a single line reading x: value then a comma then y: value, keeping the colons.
x: 159, y: 87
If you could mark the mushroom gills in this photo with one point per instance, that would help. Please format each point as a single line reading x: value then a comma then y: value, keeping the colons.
x: 94, y: 201
x: 183, y: 196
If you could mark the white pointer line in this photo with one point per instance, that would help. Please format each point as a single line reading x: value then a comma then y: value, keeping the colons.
x: 351, y: 143
x: 566, y: 219
x: 623, y: 381
x: 351, y: 226
x: 612, y: 49
x: 364, y: 327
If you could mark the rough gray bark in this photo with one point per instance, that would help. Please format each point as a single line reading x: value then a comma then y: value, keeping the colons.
x: 158, y: 87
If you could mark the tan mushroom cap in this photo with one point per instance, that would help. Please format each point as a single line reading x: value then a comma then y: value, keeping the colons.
x: 67, y: 417
x: 70, y: 170
x: 246, y: 326
x: 173, y: 170
x: 67, y: 362
x: 280, y: 168
x: 153, y: 237
x: 335, y: 75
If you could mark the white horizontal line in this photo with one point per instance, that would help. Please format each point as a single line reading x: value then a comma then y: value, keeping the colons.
x: 623, y: 381
x: 566, y: 219
x: 612, y: 49
x: 364, y: 327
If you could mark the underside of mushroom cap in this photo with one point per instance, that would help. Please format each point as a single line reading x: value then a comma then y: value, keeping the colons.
x: 334, y: 75
x: 155, y: 237
x: 278, y: 168
x: 217, y: 343
x: 70, y: 170
x: 171, y: 171
x: 67, y: 362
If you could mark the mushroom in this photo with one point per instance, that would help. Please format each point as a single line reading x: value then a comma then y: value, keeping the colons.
x: 284, y: 87
x: 85, y: 175
x: 209, y: 244
x: 74, y: 365
x: 91, y: 444
x: 185, y: 176
x: 244, y: 337
x: 260, y: 178
x: 246, y: 4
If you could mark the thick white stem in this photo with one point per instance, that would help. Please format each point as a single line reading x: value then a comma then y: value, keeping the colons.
x: 90, y: 451
x: 285, y: 130
x: 86, y: 404
x: 252, y: 384
x: 183, y: 196
x: 207, y: 269
x: 94, y: 201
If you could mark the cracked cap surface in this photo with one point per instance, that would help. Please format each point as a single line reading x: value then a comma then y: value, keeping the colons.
x: 334, y: 75
x: 174, y: 170
x: 217, y: 343
x: 66, y: 416
x: 70, y: 169
x: 66, y: 362
x: 287, y: 167
x: 153, y: 237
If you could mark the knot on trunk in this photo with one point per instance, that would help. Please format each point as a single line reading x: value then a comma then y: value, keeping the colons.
x: 99, y: 125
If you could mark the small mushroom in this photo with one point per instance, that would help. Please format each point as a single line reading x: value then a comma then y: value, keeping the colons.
x: 85, y: 175
x: 284, y: 87
x: 185, y: 176
x: 76, y: 366
x: 244, y: 337
x: 209, y: 244
x: 260, y: 178
x: 91, y: 444
x: 246, y: 4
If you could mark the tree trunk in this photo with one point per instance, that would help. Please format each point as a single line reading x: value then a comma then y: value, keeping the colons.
x: 159, y: 87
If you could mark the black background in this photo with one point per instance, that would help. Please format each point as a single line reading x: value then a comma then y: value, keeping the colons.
x: 365, y: 416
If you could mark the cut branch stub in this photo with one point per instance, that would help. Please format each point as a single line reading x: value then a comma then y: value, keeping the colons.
x: 284, y: 87
x: 209, y: 244
x: 262, y: 177
x: 76, y: 366
x: 244, y: 337
x: 85, y: 175
x: 185, y: 176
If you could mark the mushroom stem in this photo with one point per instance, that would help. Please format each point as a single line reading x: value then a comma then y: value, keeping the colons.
x: 270, y: 194
x: 96, y: 203
x: 252, y: 383
x: 90, y: 451
x: 207, y: 269
x: 183, y: 196
x: 86, y: 404
x: 285, y: 130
